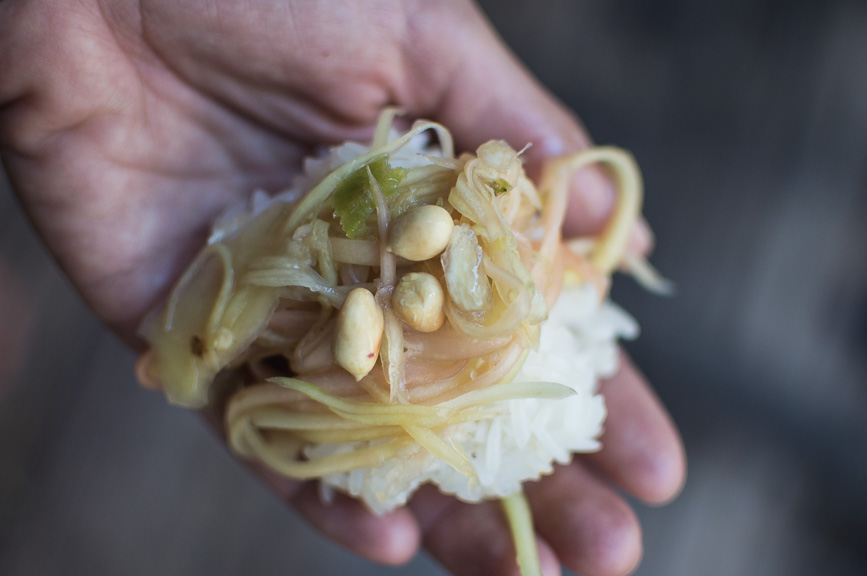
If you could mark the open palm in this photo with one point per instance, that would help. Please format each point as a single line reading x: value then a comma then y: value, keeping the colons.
x: 127, y: 126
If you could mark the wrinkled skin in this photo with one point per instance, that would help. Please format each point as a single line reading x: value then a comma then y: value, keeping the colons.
x: 125, y: 127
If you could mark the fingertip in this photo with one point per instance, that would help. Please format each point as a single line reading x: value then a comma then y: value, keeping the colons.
x: 618, y: 543
x: 659, y: 471
x: 403, y: 540
x: 591, y: 201
x: 641, y: 238
x: 591, y: 529
x: 391, y: 539
x: 548, y: 561
x: 641, y: 448
x: 611, y: 545
x: 664, y: 474
x: 593, y: 195
x: 470, y: 539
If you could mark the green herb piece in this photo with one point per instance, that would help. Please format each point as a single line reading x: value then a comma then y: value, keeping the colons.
x: 353, y: 199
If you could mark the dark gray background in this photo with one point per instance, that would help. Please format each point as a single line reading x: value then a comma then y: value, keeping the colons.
x: 749, y: 119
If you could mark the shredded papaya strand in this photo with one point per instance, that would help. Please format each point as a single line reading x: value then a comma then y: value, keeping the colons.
x: 287, y: 419
x: 505, y: 317
x: 242, y: 298
x: 325, y: 255
x: 374, y: 386
x: 647, y: 275
x: 254, y: 397
x: 433, y: 190
x: 286, y: 328
x: 546, y: 271
x: 268, y: 395
x: 352, y: 421
x: 362, y: 408
x: 430, y: 421
x: 520, y: 519
x: 235, y: 428
x: 313, y: 353
x: 555, y: 188
x: 300, y: 278
x: 316, y: 339
x: 611, y: 245
x: 509, y: 391
x: 226, y: 289
x: 369, y: 457
x: 355, y: 435
x: 449, y: 345
x: 422, y: 374
x: 387, y: 264
x: 510, y: 361
x: 449, y: 453
x: 359, y: 252
x: 383, y: 125
x: 488, y: 370
x: 515, y: 293
x: 422, y: 176
x: 225, y: 293
x: 511, y: 204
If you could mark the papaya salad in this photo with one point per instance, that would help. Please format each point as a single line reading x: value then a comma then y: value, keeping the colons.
x: 403, y: 315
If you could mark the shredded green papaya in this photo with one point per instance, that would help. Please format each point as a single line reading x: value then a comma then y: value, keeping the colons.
x: 520, y: 519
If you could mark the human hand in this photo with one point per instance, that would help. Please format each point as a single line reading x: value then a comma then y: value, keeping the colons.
x: 126, y: 127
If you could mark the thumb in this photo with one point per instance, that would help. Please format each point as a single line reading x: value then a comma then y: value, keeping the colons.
x: 480, y: 91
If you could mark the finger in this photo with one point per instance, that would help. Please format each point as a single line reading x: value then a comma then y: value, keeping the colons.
x: 641, y: 449
x: 389, y: 539
x: 591, y: 529
x: 471, y: 539
x: 641, y: 238
x: 489, y: 94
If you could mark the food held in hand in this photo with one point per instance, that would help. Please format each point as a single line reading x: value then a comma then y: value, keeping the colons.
x: 401, y: 316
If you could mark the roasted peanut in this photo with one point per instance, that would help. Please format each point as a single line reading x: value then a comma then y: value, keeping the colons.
x: 418, y: 301
x: 359, y: 333
x: 420, y: 233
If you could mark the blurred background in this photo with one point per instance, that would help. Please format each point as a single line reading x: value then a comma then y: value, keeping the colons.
x: 749, y: 118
